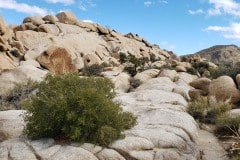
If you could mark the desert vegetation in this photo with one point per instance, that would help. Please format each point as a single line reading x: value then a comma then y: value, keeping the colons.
x: 79, y: 109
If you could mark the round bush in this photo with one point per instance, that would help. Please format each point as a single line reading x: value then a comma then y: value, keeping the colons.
x: 80, y: 109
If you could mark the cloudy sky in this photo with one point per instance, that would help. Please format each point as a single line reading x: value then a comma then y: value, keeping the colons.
x: 183, y: 26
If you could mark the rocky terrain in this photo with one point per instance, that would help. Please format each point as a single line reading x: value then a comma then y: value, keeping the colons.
x: 62, y: 44
x: 221, y: 54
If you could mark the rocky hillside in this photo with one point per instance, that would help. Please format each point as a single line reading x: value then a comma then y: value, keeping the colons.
x: 157, y: 96
x: 221, y: 54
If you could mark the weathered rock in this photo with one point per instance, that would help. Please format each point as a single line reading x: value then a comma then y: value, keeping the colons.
x: 35, y: 20
x: 146, y: 75
x: 87, y: 26
x: 91, y: 59
x: 50, y: 19
x: 3, y: 47
x: 103, y: 30
x: 158, y: 64
x: 57, y: 60
x: 133, y: 143
x: 49, y: 28
x: 180, y: 69
x: 195, y: 94
x: 16, y: 149
x: 18, y: 45
x: 66, y: 17
x: 206, y: 142
x: 69, y: 152
x: 186, y: 77
x: 109, y: 154
x: 6, y: 63
x: 91, y: 148
x: 15, y: 55
x: 238, y: 80
x: 162, y: 83
x: 3, y: 26
x: 30, y: 62
x: 172, y: 74
x: 19, y: 74
x: 26, y: 26
x: 120, y: 79
x: 31, y: 54
x: 12, y: 123
x: 202, y: 84
x: 185, y: 64
x: 224, y: 88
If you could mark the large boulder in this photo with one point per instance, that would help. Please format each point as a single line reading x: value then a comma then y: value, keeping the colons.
x: 19, y: 75
x: 35, y: 20
x: 146, y: 75
x: 224, y: 88
x: 202, y: 84
x: 50, y: 19
x: 66, y: 17
x: 161, y: 83
x: 172, y: 74
x: 12, y: 123
x: 238, y: 80
x: 3, y: 26
x: 6, y: 63
x: 57, y: 60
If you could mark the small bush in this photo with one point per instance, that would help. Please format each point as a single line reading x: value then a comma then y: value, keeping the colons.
x: 206, y: 109
x: 135, y: 82
x: 225, y: 70
x: 192, y: 71
x: 12, y: 100
x: 93, y: 70
x: 122, y: 57
x: 131, y: 70
x: 80, y: 109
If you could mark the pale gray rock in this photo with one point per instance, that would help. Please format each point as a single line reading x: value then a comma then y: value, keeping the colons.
x: 186, y: 77
x: 133, y: 143
x: 91, y: 147
x: 146, y: 75
x: 30, y: 62
x: 50, y: 19
x: 224, y: 88
x: 142, y: 155
x: 49, y: 28
x: 20, y: 75
x: 74, y: 153
x: 66, y: 17
x: 11, y: 123
x: 161, y: 83
x: 172, y: 74
x: 16, y: 149
x: 210, y: 147
x: 109, y: 154
x: 35, y: 20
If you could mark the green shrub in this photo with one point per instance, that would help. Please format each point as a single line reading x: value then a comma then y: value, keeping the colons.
x: 93, y: 70
x: 131, y: 70
x: 80, y: 109
x: 225, y: 70
x: 135, y: 82
x: 12, y: 100
x: 201, y: 67
x: 206, y: 109
x: 122, y: 57
x: 192, y: 71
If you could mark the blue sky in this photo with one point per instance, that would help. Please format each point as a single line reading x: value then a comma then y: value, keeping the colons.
x: 183, y: 26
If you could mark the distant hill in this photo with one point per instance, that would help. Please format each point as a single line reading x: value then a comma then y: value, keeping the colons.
x: 228, y: 54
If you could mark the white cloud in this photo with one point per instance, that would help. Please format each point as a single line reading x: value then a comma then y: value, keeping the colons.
x: 193, y: 12
x: 84, y: 5
x: 229, y: 7
x: 88, y: 21
x: 229, y: 32
x: 65, y: 2
x: 150, y: 3
x: 167, y: 45
x: 23, y: 7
